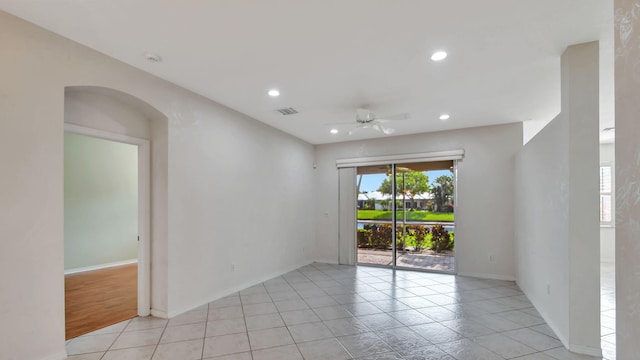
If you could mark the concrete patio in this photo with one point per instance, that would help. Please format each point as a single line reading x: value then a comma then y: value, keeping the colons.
x: 426, y: 260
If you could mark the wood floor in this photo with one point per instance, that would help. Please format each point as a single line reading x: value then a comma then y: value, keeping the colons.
x: 99, y: 298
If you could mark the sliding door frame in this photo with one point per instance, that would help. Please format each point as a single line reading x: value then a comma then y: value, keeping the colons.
x: 392, y: 161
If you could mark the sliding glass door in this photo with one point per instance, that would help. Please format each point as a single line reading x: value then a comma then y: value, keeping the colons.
x: 405, y: 215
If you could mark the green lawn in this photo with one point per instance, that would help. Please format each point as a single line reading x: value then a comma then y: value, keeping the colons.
x: 411, y: 215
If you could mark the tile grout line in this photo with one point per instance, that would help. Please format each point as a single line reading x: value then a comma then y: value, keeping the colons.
x: 160, y: 338
x: 285, y: 324
x: 335, y: 337
x: 204, y: 338
x: 321, y: 277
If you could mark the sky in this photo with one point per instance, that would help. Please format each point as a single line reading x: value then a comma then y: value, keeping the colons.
x: 372, y: 182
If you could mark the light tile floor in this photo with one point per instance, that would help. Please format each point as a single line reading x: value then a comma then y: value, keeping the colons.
x: 608, y: 310
x: 323, y: 311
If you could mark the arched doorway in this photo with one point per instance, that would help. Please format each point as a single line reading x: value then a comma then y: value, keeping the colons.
x: 107, y: 116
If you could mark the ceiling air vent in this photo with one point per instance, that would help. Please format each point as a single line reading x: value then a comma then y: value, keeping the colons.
x: 287, y: 111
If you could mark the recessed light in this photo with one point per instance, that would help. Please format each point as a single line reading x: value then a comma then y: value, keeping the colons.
x: 438, y: 55
x: 274, y: 93
x: 444, y: 117
x: 334, y: 131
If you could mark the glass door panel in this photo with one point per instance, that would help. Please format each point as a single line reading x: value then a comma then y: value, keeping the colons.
x: 374, y: 224
x: 425, y: 219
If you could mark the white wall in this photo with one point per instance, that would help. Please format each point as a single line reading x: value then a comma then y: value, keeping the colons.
x: 542, y: 223
x: 627, y: 83
x: 100, y: 201
x: 239, y: 192
x: 557, y: 236
x: 104, y: 110
x: 608, y: 233
x: 219, y: 163
x: 485, y: 186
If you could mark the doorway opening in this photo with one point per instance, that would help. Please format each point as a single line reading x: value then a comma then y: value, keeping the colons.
x: 106, y: 207
x: 405, y: 215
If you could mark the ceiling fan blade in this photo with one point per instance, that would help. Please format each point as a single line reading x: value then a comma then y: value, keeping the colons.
x: 339, y: 123
x: 383, y: 129
x: 386, y: 130
x: 354, y: 130
x: 397, y: 117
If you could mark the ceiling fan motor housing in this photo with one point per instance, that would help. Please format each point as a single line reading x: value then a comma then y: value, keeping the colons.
x: 365, y: 117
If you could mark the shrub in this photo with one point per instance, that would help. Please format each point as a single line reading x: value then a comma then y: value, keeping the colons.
x: 440, y: 239
x: 420, y: 233
x: 400, y: 240
x: 381, y: 236
x: 364, y: 237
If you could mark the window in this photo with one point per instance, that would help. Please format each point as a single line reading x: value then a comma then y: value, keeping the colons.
x: 606, y: 206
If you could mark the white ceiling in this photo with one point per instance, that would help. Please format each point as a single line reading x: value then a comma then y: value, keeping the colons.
x: 329, y: 57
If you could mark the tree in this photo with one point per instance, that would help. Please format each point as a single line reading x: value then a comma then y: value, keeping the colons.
x: 442, y: 190
x: 414, y: 183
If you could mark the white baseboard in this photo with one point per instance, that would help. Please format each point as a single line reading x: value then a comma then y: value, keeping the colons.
x: 585, y: 350
x: 326, y: 261
x: 159, y: 314
x: 57, y: 356
x: 488, y: 276
x: 239, y: 287
x: 564, y: 338
x: 101, y: 266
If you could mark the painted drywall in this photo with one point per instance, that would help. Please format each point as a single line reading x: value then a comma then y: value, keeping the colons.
x: 542, y: 248
x: 104, y: 110
x: 557, y: 235
x: 485, y: 184
x: 100, y: 202
x: 627, y: 83
x: 608, y: 233
x: 159, y: 132
x: 236, y: 189
x: 240, y: 195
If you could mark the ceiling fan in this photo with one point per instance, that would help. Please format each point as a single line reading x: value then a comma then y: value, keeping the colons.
x: 366, y: 119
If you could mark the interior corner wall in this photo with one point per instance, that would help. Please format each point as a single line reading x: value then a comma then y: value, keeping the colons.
x: 627, y: 172
x: 236, y: 189
x: 557, y: 234
x: 100, y: 202
x: 608, y: 233
x: 485, y: 183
